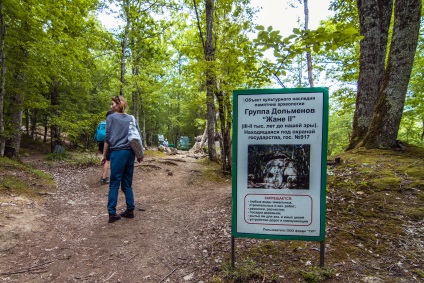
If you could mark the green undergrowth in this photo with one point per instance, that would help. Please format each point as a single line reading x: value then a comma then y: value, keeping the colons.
x: 18, y: 178
x: 211, y: 171
x: 155, y: 154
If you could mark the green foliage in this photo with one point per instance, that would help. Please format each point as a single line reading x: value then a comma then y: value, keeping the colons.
x: 329, y: 37
x: 419, y: 272
x: 315, y: 274
x: 20, y: 178
x: 71, y: 54
x: 57, y: 53
x: 339, y: 129
x: 58, y: 156
x: 245, y: 271
x: 415, y: 214
x: 412, y: 124
x: 85, y: 158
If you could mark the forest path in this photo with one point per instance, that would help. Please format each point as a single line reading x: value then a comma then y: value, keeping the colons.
x: 180, y: 233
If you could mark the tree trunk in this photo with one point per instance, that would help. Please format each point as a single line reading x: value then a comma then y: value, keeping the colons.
x: 388, y: 112
x: 143, y: 129
x: 3, y: 77
x: 225, y: 161
x: 33, y: 123
x: 209, y: 52
x: 136, y: 95
x: 422, y: 133
x: 137, y: 100
x: 204, y: 136
x: 125, y: 7
x: 46, y: 127
x: 123, y: 63
x: 54, y: 129
x: 227, y: 135
x: 15, y: 110
x: 308, y: 54
x: 374, y: 20
x: 210, y: 79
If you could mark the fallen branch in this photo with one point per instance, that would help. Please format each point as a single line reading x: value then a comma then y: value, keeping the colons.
x: 167, y: 275
x: 109, y: 277
x: 30, y: 269
x: 150, y: 165
x: 132, y: 257
x: 169, y: 162
x: 175, y: 160
x: 8, y: 249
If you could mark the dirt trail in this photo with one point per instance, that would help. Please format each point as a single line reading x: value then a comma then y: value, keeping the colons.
x: 181, y: 231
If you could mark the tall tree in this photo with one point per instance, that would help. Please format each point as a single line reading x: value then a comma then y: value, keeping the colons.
x: 374, y: 20
x: 22, y: 28
x: 387, y: 83
x: 208, y: 44
x: 2, y: 75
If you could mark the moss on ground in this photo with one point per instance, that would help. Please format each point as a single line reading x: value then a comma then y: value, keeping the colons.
x: 375, y: 208
x: 19, y: 178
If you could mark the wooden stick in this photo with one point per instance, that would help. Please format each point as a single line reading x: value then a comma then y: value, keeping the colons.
x: 167, y: 275
x: 109, y: 277
x: 29, y: 269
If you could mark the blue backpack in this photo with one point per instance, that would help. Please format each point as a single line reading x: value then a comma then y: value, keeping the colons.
x: 100, y: 134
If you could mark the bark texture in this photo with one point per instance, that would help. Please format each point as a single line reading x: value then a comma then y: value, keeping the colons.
x: 388, y: 112
x: 14, y: 112
x: 374, y: 19
x: 3, y: 76
x: 225, y: 125
x: 210, y: 79
x: 55, y: 113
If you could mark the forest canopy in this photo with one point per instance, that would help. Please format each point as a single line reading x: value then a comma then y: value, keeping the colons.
x: 178, y: 62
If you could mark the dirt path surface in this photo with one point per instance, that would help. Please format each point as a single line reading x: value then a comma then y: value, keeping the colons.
x: 180, y: 233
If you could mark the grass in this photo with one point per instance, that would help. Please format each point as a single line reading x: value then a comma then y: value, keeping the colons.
x: 20, y: 178
x: 212, y: 172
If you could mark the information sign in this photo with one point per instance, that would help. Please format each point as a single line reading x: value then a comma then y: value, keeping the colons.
x: 279, y: 163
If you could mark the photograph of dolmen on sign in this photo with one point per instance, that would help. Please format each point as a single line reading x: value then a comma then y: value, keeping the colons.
x: 280, y: 166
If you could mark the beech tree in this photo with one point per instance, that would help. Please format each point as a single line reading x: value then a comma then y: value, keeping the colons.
x: 384, y: 77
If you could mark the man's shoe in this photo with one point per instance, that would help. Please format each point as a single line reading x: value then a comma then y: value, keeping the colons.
x: 105, y: 180
x: 128, y: 214
x: 113, y: 217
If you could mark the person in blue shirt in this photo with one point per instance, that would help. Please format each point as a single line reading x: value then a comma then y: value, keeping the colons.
x: 105, y: 168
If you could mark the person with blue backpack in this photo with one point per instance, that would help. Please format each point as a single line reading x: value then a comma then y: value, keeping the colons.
x: 99, y: 137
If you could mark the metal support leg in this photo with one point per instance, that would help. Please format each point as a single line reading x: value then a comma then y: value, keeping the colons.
x: 321, y: 253
x: 232, y: 252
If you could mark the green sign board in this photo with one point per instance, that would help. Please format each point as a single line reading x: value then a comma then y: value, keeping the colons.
x: 279, y: 163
